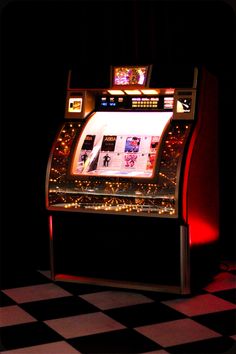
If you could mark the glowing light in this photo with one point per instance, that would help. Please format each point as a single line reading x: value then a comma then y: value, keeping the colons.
x: 201, y: 231
x: 116, y: 92
x: 130, y: 75
x: 150, y: 92
x: 133, y: 92
x: 50, y: 228
x: 169, y: 91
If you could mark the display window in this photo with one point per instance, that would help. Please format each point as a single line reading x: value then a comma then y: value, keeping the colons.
x: 120, y: 144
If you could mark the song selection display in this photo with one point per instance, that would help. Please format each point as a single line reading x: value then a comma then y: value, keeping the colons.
x: 118, y: 154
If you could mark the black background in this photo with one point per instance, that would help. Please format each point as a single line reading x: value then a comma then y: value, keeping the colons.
x: 42, y: 40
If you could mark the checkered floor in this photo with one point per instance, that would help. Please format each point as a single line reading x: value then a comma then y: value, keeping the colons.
x: 38, y: 316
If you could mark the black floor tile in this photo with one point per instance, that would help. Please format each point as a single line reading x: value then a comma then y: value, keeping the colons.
x: 5, y: 300
x: 58, y: 308
x: 116, y: 342
x: 25, y: 335
x: 223, y: 322
x: 159, y: 296
x: 162, y: 296
x: 81, y: 289
x: 219, y: 345
x: 228, y: 295
x: 16, y: 278
x: 144, y: 314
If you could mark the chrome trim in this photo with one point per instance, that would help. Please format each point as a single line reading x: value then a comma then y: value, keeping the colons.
x: 51, y: 247
x: 184, y: 260
x: 118, y: 283
x: 52, y: 261
x: 195, y: 77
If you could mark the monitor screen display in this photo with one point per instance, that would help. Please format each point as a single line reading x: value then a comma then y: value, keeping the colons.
x: 119, y: 144
x: 130, y: 75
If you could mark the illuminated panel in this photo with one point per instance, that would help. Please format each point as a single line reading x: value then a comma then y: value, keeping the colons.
x: 133, y: 92
x: 116, y: 92
x: 75, y: 104
x: 120, y: 144
x: 184, y: 105
x: 168, y: 102
x: 150, y: 92
x: 132, y: 75
x: 145, y: 102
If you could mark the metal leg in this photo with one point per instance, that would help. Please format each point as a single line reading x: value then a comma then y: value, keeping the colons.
x: 184, y: 260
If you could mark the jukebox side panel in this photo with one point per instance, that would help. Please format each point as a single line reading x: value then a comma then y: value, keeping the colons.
x: 58, y: 164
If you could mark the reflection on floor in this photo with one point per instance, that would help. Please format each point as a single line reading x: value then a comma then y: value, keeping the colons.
x: 38, y: 316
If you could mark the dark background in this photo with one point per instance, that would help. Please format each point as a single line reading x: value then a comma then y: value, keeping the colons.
x: 42, y: 40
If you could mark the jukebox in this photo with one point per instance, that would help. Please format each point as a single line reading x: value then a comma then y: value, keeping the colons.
x: 132, y: 184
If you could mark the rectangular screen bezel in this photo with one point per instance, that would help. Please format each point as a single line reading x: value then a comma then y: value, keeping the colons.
x: 127, y: 86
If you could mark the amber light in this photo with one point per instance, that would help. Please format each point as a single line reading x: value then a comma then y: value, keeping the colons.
x: 169, y: 91
x: 150, y: 92
x: 116, y: 92
x: 133, y: 92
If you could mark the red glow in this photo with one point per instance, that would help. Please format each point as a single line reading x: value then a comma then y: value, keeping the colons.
x: 186, y: 176
x: 50, y: 227
x: 200, y: 193
x: 201, y: 231
x: 169, y: 91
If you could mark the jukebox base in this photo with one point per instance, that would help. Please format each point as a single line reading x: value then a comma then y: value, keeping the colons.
x: 113, y: 250
x: 118, y: 283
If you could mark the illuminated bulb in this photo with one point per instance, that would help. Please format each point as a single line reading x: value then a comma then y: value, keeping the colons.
x: 150, y: 92
x: 133, y: 92
x: 116, y: 92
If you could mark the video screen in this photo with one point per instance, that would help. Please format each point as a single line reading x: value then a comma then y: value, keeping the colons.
x: 135, y: 75
x: 120, y: 144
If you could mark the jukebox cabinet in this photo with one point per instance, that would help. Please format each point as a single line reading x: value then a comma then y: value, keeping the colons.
x: 132, y: 184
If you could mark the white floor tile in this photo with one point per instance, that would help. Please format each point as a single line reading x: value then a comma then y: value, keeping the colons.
x: 106, y: 300
x: 201, y: 304
x: 51, y: 348
x: 12, y: 315
x: 46, y: 273
x: 177, y: 332
x: 222, y: 281
x: 82, y: 325
x: 36, y: 293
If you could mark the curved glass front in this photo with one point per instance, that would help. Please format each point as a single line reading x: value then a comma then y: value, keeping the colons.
x: 120, y: 144
x: 120, y: 186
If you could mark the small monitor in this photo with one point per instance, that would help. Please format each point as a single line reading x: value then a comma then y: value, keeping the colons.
x: 130, y: 76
